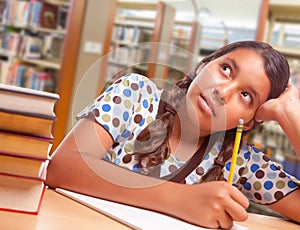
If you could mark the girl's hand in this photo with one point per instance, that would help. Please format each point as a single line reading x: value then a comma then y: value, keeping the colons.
x: 212, y: 204
x: 274, y: 109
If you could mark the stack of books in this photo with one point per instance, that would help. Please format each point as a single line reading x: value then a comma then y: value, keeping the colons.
x: 26, y: 120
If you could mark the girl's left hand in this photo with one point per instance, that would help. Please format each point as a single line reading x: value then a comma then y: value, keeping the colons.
x: 274, y: 108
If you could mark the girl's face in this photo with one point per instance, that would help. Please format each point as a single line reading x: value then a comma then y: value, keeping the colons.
x: 226, y: 89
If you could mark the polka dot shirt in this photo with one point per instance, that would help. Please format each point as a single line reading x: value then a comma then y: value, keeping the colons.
x: 132, y: 102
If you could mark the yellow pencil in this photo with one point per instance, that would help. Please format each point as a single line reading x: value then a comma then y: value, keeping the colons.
x: 237, y: 141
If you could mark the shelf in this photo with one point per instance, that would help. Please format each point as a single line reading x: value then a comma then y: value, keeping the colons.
x: 293, y: 52
x: 52, y: 64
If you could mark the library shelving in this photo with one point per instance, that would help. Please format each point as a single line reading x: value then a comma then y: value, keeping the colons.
x: 137, y: 39
x: 33, y: 51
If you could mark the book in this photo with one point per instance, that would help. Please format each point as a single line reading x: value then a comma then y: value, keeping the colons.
x: 26, y: 123
x: 48, y: 16
x: 20, y: 194
x: 24, y: 145
x: 34, y: 102
x: 22, y: 166
x: 133, y: 217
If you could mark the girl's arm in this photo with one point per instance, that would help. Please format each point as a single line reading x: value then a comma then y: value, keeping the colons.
x: 287, y: 206
x: 285, y: 110
x: 77, y: 165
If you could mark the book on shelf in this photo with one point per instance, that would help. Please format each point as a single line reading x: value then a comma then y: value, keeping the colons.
x: 48, y: 16
x: 34, y: 102
x: 21, y: 194
x: 23, y: 166
x: 16, y: 144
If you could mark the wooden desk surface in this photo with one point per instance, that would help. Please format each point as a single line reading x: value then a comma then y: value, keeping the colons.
x: 59, y: 212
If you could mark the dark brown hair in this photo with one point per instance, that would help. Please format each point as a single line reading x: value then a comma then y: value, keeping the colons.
x: 157, y: 133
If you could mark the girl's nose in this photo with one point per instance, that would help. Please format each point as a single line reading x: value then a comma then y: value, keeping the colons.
x: 223, y: 93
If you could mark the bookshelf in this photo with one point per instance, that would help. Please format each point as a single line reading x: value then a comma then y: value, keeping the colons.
x: 185, y: 54
x: 279, y: 25
x: 32, y: 34
x: 55, y: 52
x: 139, y: 38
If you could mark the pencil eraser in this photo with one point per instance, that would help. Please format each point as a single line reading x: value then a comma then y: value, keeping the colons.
x: 241, y: 121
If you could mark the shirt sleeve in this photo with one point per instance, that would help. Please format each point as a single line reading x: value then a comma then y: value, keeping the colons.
x: 115, y: 108
x: 262, y: 180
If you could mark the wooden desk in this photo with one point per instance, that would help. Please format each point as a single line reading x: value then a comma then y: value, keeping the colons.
x: 59, y: 212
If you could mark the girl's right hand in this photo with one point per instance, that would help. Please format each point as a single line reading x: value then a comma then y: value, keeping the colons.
x: 212, y: 204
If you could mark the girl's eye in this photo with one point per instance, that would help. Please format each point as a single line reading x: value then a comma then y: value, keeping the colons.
x: 247, y: 97
x: 226, y: 70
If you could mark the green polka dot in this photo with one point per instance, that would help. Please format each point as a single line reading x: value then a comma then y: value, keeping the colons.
x: 106, y: 118
x: 128, y: 148
x: 126, y: 83
x: 257, y: 185
x: 245, y: 170
x: 113, y: 155
x: 107, y: 98
x: 265, y: 165
x: 122, y: 128
x: 149, y: 119
x: 127, y: 104
x: 239, y: 161
x: 280, y: 184
x: 138, y: 109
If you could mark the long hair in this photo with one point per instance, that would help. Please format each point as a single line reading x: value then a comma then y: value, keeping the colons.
x: 158, y: 132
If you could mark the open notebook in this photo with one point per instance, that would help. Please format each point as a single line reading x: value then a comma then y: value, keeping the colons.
x: 135, y: 218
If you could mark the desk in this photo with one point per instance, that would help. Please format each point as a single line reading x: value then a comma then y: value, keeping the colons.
x: 59, y: 212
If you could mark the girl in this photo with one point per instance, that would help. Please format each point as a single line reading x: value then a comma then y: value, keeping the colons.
x: 186, y: 136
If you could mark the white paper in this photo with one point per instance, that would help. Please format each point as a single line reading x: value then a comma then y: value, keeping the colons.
x: 133, y: 217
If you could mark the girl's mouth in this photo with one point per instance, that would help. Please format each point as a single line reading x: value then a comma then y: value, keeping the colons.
x: 207, y: 104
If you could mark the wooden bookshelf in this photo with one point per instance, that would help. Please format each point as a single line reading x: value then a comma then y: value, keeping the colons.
x: 67, y: 30
x: 152, y: 31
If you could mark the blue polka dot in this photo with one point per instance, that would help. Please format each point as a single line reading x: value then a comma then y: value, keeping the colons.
x: 291, y: 184
x: 155, y: 98
x: 117, y: 161
x: 271, y: 175
x: 268, y: 185
x: 247, y: 155
x: 256, y: 149
x: 127, y: 92
x: 117, y: 111
x: 106, y: 107
x: 145, y: 103
x: 135, y: 168
x: 126, y: 133
x: 142, y: 122
x: 219, y: 147
x: 206, y: 157
x: 134, y: 77
x: 228, y: 165
x: 254, y: 167
x: 109, y: 89
x: 247, y: 186
x: 141, y: 83
x: 255, y: 158
x: 273, y: 167
x: 119, y: 152
x: 117, y: 90
x: 267, y: 196
x: 106, y: 127
x: 125, y: 116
